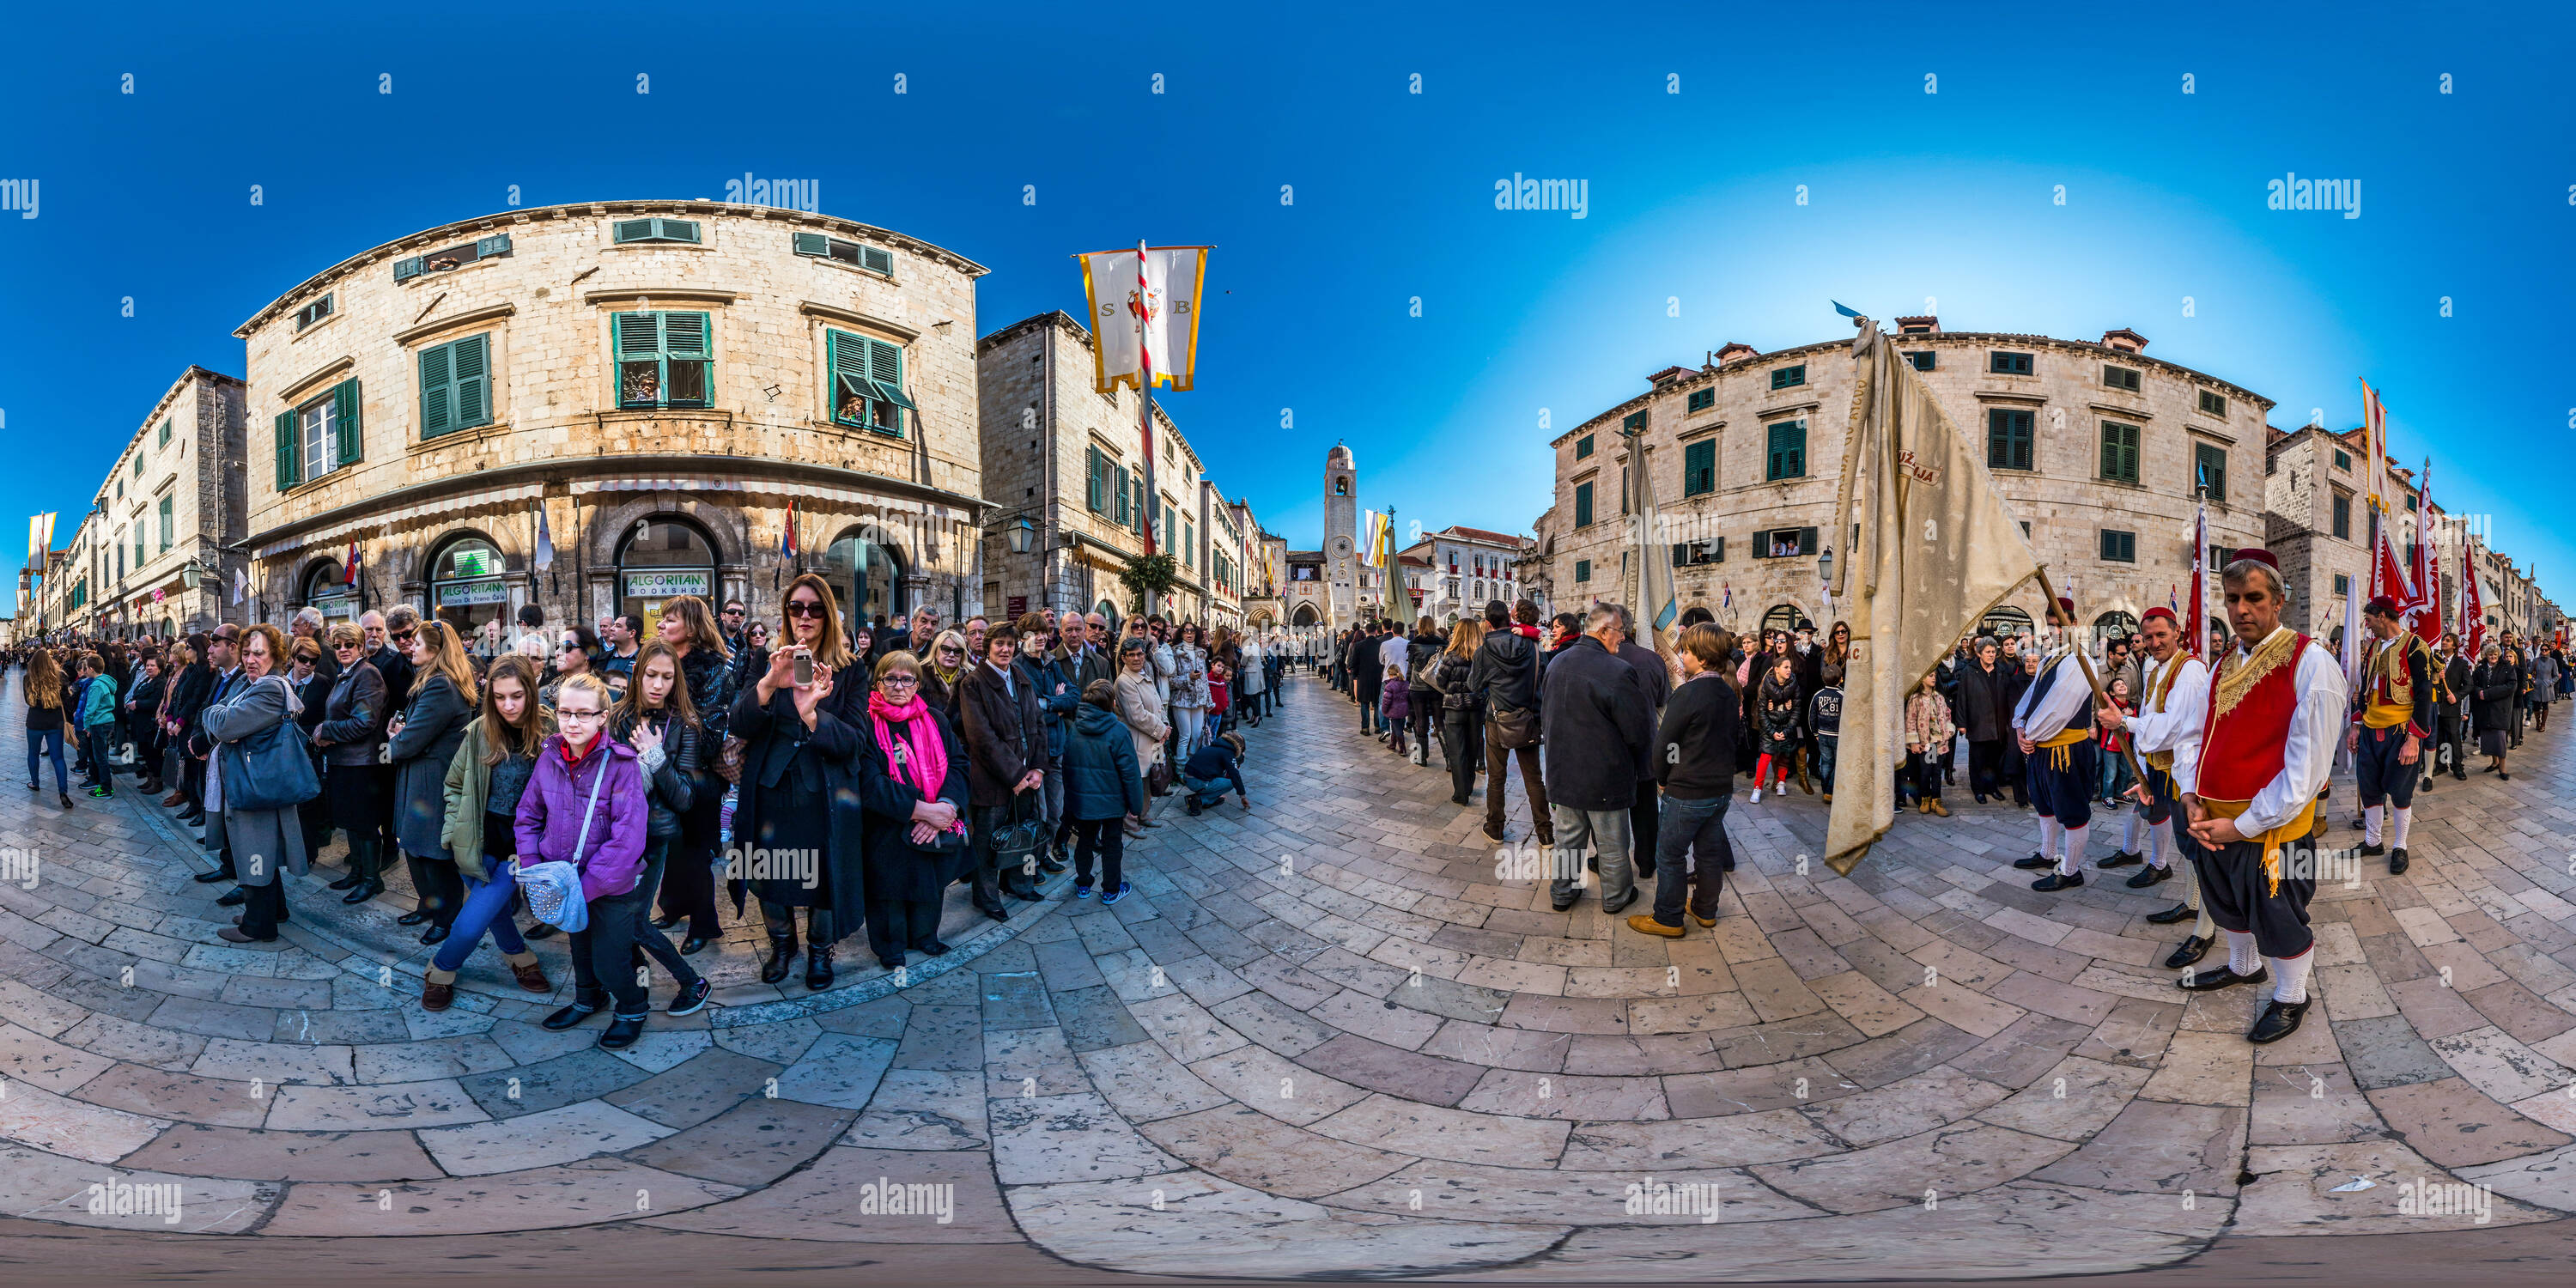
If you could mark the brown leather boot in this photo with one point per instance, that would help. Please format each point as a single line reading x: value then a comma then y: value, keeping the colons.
x: 1800, y: 760
x: 532, y: 976
x: 174, y: 798
x: 437, y: 990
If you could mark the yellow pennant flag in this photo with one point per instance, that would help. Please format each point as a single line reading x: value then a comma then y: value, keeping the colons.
x: 1938, y: 548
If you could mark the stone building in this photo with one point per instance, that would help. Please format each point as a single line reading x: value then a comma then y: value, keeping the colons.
x: 1467, y: 567
x: 1064, y: 466
x: 651, y: 389
x: 164, y: 523
x: 2317, y: 520
x: 2098, y: 448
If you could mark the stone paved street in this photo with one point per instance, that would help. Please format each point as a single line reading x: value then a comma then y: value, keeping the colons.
x: 1322, y: 1039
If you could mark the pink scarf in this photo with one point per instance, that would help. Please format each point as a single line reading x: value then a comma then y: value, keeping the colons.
x: 925, y: 760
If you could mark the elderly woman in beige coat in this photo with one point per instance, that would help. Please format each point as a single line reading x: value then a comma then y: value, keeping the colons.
x: 1140, y: 708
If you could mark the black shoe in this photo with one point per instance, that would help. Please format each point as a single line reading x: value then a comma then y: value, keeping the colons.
x: 541, y: 930
x: 2372, y: 850
x: 349, y: 882
x: 2279, y: 1020
x: 2426, y: 785
x: 2056, y: 881
x: 219, y: 874
x: 1025, y: 891
x: 1493, y: 833
x: 2500, y: 775
x: 567, y: 1017
x: 1645, y: 870
x: 2034, y: 862
x: 234, y: 899
x: 933, y: 947
x: 2148, y: 876
x: 2122, y: 859
x: 412, y: 918
x: 818, y: 968
x: 782, y: 954
x: 666, y: 922
x: 1192, y: 808
x: 997, y: 912
x: 621, y: 1033
x: 1051, y: 866
x: 192, y: 818
x: 2397, y: 861
x: 2223, y: 977
x: 2460, y: 775
x: 693, y: 945
x: 890, y: 963
x: 434, y: 935
x: 1563, y: 895
x: 2189, y: 952
x: 364, y: 892
x: 1612, y: 907
x: 691, y: 998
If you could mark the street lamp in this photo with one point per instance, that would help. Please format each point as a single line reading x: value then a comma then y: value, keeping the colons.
x: 1825, y: 566
x: 1023, y: 534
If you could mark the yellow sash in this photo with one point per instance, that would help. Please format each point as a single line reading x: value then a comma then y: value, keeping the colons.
x: 2299, y: 826
x: 2391, y: 665
x: 2156, y: 702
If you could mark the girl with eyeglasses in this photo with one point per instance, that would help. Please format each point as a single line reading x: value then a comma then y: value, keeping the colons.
x: 802, y: 745
x: 912, y: 785
x: 584, y: 805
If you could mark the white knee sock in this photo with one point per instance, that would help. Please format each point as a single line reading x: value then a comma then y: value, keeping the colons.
x: 2370, y: 824
x: 2241, y: 956
x: 2397, y: 832
x: 2292, y: 972
x: 2047, y: 836
x: 2129, y: 825
x: 2157, y: 836
x: 2073, y: 861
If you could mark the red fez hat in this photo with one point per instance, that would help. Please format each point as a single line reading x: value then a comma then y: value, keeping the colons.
x: 2257, y: 555
x: 2159, y: 611
x: 2381, y: 605
x: 2066, y: 606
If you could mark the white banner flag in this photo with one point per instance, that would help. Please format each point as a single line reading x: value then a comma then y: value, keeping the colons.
x: 1160, y: 323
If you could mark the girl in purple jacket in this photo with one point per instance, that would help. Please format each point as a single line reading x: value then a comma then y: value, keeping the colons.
x: 584, y: 776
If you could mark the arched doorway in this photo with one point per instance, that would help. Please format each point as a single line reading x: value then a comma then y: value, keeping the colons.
x: 2004, y: 621
x: 660, y: 557
x: 2114, y: 624
x: 867, y: 574
x: 1786, y: 617
x: 1304, y: 616
x: 325, y: 590
x: 465, y: 586
x: 1108, y: 608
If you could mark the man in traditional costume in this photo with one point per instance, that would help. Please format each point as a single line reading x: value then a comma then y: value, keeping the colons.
x: 2392, y: 719
x: 2276, y: 703
x: 2054, y: 724
x: 2173, y: 699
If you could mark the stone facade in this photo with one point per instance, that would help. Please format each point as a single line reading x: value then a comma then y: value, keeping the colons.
x: 493, y: 388
x: 1057, y: 451
x: 1763, y: 437
x: 185, y: 455
x: 1464, y: 568
x: 2317, y: 522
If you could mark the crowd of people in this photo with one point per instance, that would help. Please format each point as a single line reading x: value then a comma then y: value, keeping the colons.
x: 603, y: 782
x: 1629, y: 760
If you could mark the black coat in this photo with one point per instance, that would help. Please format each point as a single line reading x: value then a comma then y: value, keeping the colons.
x: 2494, y: 690
x: 353, y: 717
x: 1005, y: 734
x: 711, y: 689
x: 433, y: 725
x: 773, y: 737
x: 1597, y: 724
x: 397, y: 672
x: 1506, y: 671
x: 671, y: 791
x: 896, y: 869
x: 1984, y: 705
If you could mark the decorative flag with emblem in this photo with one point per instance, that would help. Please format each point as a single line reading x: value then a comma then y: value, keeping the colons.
x: 2473, y: 602
x: 2374, y: 440
x: 1938, y: 549
x: 2426, y: 611
x: 2195, y: 624
x: 1145, y: 315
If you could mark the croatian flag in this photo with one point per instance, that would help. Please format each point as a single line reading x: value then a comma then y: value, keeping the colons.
x: 349, y: 566
x: 787, y: 534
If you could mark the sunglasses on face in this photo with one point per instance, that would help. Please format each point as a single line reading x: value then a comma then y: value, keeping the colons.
x: 803, y: 608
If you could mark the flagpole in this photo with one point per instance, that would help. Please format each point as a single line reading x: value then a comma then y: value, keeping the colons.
x: 2101, y: 698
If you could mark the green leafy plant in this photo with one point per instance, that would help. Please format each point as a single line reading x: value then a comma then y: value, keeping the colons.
x: 1144, y: 575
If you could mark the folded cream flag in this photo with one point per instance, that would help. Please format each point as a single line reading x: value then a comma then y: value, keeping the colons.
x: 1938, y: 547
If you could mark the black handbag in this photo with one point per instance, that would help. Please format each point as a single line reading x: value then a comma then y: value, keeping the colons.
x: 1015, y: 841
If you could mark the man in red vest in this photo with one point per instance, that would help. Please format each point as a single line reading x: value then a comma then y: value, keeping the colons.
x: 2276, y: 708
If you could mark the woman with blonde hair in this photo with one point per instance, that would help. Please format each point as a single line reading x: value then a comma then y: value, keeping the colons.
x: 45, y: 722
x: 419, y: 744
x: 491, y: 769
x: 943, y: 669
x: 1189, y: 685
x: 269, y: 842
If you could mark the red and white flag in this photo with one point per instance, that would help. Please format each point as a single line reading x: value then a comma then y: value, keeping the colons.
x: 2473, y: 608
x: 2195, y: 633
x: 2426, y: 610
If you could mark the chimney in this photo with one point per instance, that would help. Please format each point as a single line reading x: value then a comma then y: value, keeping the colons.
x: 1923, y: 325
x: 1734, y: 350
x: 2124, y: 340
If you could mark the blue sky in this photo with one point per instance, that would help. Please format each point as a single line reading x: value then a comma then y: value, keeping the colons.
x: 1692, y: 197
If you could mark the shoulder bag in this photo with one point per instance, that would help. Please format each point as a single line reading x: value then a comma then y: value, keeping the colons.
x: 270, y: 769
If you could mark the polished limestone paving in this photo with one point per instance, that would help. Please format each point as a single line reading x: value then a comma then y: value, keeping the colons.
x: 1322, y: 1038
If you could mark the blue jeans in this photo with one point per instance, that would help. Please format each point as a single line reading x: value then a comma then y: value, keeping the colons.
x: 1696, y: 828
x: 487, y: 907
x: 48, y: 742
x: 1204, y: 792
x: 1825, y: 745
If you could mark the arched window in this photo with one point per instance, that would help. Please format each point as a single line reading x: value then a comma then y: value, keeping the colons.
x: 1304, y: 616
x: 867, y: 574
x: 658, y: 558
x: 1108, y: 608
x: 2114, y: 624
x: 1786, y: 617
x: 323, y: 589
x: 2004, y: 621
x: 465, y: 586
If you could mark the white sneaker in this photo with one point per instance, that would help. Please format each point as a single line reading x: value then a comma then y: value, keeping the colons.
x: 1757, y: 795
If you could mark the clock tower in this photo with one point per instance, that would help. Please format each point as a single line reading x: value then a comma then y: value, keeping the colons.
x: 1341, y: 536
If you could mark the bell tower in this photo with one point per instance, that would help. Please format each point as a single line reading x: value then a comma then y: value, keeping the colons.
x: 1341, y: 535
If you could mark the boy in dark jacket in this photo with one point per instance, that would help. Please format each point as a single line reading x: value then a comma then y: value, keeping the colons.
x: 1825, y: 719
x: 1102, y: 786
x: 1210, y: 768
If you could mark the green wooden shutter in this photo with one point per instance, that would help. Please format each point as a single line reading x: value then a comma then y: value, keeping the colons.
x: 813, y: 244
x: 849, y: 358
x: 1583, y: 505
x: 490, y: 247
x: 437, y: 390
x: 639, y: 336
x: 687, y: 335
x: 1124, y: 494
x: 352, y: 445
x: 628, y: 230
x: 1091, y: 478
x: 287, y: 475
x: 1699, y: 467
x: 473, y: 380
